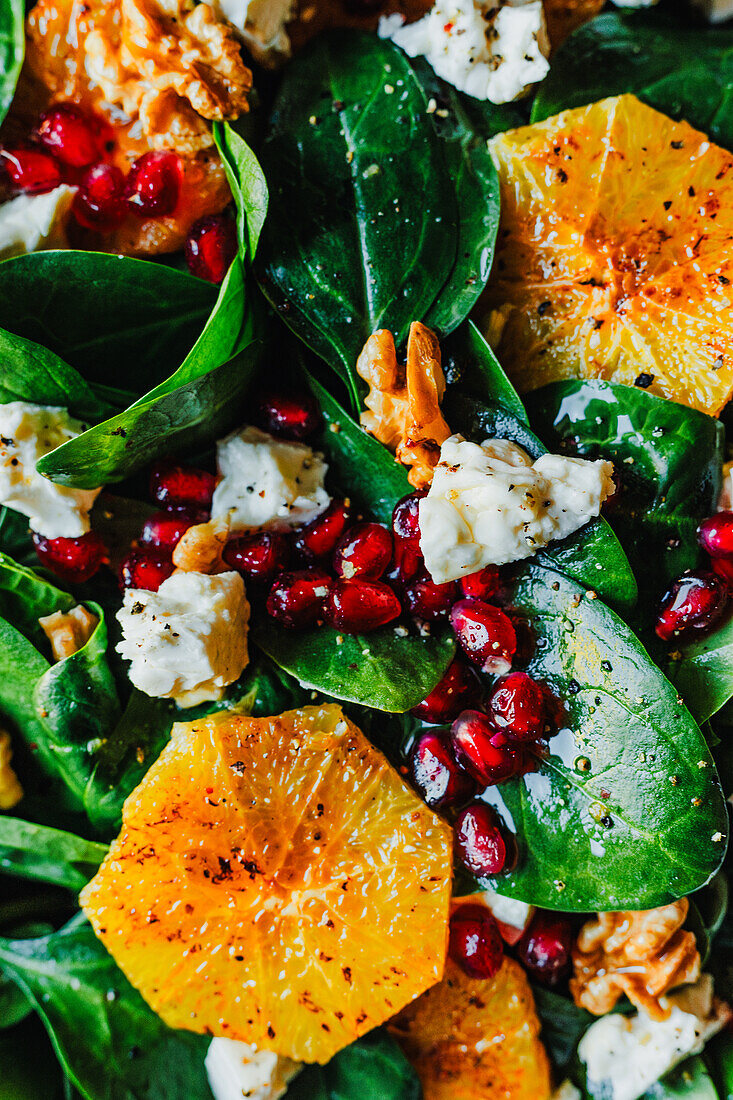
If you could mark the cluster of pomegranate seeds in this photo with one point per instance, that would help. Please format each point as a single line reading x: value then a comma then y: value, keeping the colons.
x: 475, y: 942
x: 73, y: 560
x: 211, y: 246
x: 545, y: 948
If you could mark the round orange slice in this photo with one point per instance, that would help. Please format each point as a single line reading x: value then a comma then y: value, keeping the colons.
x: 275, y: 881
x: 615, y: 253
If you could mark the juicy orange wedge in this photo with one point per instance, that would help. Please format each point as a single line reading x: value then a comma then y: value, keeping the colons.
x: 275, y: 881
x: 615, y: 253
x: 474, y: 1039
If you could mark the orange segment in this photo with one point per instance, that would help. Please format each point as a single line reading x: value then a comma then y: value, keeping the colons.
x: 471, y: 1039
x: 275, y: 881
x: 615, y: 253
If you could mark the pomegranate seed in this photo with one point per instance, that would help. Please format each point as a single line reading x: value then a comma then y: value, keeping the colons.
x: 297, y: 417
x: 481, y: 749
x: 154, y: 184
x: 526, y: 640
x: 486, y: 635
x: 475, y: 943
x: 260, y: 556
x: 211, y: 246
x: 430, y: 601
x: 364, y: 551
x: 99, y: 203
x: 482, y: 585
x: 181, y: 486
x: 163, y: 530
x: 296, y: 599
x: 319, y: 538
x: 406, y: 517
x: 436, y: 773
x: 479, y: 842
x: 74, y: 560
x: 358, y: 606
x: 715, y: 535
x: 69, y: 135
x: 460, y: 689
x: 723, y: 568
x: 145, y: 569
x: 516, y: 706
x: 692, y: 605
x: 30, y: 170
x: 545, y: 947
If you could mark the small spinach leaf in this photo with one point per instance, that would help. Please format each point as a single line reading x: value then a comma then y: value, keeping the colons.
x: 15, y: 537
x: 247, y: 182
x: 563, y: 1025
x: 703, y: 672
x: 373, y: 1066
x: 12, y: 49
x: 471, y: 366
x: 689, y: 1081
x: 49, y: 855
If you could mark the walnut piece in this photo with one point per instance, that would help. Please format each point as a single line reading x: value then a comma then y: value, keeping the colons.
x: 403, y: 403
x: 642, y: 954
x: 199, y: 550
x: 11, y: 791
x: 68, y: 631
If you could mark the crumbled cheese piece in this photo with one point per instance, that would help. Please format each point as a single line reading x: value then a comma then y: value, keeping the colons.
x: 489, y: 504
x: 509, y: 911
x: 567, y: 1091
x: 188, y: 640
x: 261, y: 24
x: 27, y: 432
x: 267, y: 482
x: 490, y: 50
x: 68, y: 631
x: 31, y: 223
x: 237, y: 1069
x: 715, y: 11
x: 11, y: 791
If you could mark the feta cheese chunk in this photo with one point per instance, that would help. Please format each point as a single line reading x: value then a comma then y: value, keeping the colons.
x: 261, y: 25
x: 489, y: 504
x: 27, y: 433
x: 237, y: 1069
x: 490, y: 50
x: 30, y: 223
x: 267, y: 481
x: 715, y: 11
x: 188, y: 640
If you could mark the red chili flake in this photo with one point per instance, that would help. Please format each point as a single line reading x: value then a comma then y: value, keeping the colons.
x: 448, y: 27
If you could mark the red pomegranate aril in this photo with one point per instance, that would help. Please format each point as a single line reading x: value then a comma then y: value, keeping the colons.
x: 145, y: 568
x: 715, y: 535
x: 460, y: 689
x: 475, y: 942
x: 436, y: 773
x: 318, y: 539
x: 485, y: 634
x: 484, y: 752
x: 260, y: 556
x: 430, y: 601
x: 406, y: 518
x: 693, y: 605
x: 297, y: 417
x: 99, y: 203
x: 163, y: 530
x: 296, y: 599
x: 30, y: 170
x: 479, y: 842
x: 154, y: 184
x: 365, y: 551
x: 174, y: 486
x: 211, y: 246
x: 482, y: 585
x: 546, y: 946
x: 358, y: 606
x: 69, y: 135
x: 517, y: 707
x: 73, y: 560
x: 526, y: 640
x: 723, y: 568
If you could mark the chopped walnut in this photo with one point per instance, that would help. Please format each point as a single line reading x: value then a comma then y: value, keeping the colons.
x: 200, y: 549
x: 403, y: 403
x: 68, y: 631
x: 642, y: 954
x: 11, y: 791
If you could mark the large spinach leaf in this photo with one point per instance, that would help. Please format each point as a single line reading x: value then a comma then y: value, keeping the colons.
x: 703, y: 672
x: 372, y: 1067
x: 29, y: 1067
x: 111, y: 1045
x: 49, y: 855
x: 12, y: 48
x: 625, y: 812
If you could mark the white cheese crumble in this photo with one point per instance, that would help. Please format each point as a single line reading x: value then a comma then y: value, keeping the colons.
x: 715, y: 11
x: 30, y: 223
x: 237, y: 1070
x: 261, y: 25
x: 27, y: 433
x: 188, y: 640
x: 517, y: 914
x: 489, y: 504
x: 490, y: 50
x: 267, y: 481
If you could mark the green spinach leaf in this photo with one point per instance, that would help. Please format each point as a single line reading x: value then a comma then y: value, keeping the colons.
x: 49, y: 855
x: 689, y: 1081
x: 472, y: 368
x: 563, y: 1025
x: 29, y: 1066
x: 248, y: 184
x: 373, y: 1066
x: 15, y: 537
x: 703, y: 672
x: 26, y: 596
x: 12, y: 49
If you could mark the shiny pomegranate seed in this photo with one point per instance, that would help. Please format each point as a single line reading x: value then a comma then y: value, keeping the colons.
x: 69, y: 135
x: 73, y: 560
x: 364, y: 551
x: 260, y: 556
x: 297, y: 417
x: 99, y: 203
x: 30, y: 170
x: 483, y: 751
x: 475, y: 942
x: 430, y: 601
x: 181, y: 486
x: 546, y: 946
x: 319, y: 538
x: 436, y: 773
x: 526, y: 640
x: 723, y: 568
x: 485, y: 634
x: 163, y: 530
x: 211, y: 246
x: 479, y: 842
x: 406, y: 518
x: 482, y: 585
x: 359, y: 606
x: 460, y: 689
x: 145, y: 568
x: 715, y: 535
x: 517, y: 707
x: 154, y: 184
x: 296, y: 599
x: 692, y: 605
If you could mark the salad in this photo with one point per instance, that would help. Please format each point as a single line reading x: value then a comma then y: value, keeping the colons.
x: 366, y: 550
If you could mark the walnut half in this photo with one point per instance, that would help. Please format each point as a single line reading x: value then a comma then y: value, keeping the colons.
x: 68, y: 631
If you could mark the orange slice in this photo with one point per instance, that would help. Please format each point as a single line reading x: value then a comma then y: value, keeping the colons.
x: 275, y: 881
x: 615, y: 253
